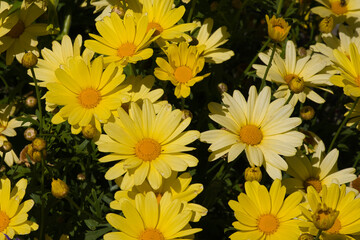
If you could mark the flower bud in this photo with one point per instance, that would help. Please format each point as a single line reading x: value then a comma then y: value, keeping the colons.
x: 38, y: 155
x: 6, y: 147
x: 29, y: 60
x: 30, y: 134
x: 326, y: 25
x: 222, y: 87
x: 302, y: 52
x: 30, y: 101
x: 278, y: 28
x: 324, y: 217
x: 253, y: 174
x: 81, y: 177
x: 59, y: 189
x: 306, y: 236
x: 89, y: 131
x: 186, y: 114
x: 307, y: 112
x: 39, y: 144
x: 297, y: 85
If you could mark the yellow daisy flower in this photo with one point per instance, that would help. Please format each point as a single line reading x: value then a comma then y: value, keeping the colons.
x: 349, y: 78
x: 148, y: 145
x: 340, y: 9
x: 183, y: 64
x: 87, y: 92
x: 150, y: 220
x: 315, y: 172
x: 179, y: 187
x: 208, y: 44
x: 262, y: 129
x: 264, y: 214
x: 13, y: 214
x: 333, y: 198
x: 295, y: 75
x: 23, y: 34
x: 122, y: 41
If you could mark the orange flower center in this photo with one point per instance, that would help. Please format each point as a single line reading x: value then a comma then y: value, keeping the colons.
x: 279, y: 28
x: 290, y: 77
x: 126, y: 50
x: 339, y: 7
x: 157, y: 26
x: 268, y: 224
x: 316, y: 183
x: 17, y: 30
x: 183, y: 74
x: 251, y: 135
x: 151, y: 234
x: 89, y: 98
x: 4, y: 221
x: 335, y: 228
x: 147, y: 149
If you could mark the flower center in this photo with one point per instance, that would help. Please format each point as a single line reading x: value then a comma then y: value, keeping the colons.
x: 183, y: 74
x: 268, y: 224
x: 279, y: 28
x: 126, y: 50
x: 151, y: 234
x: 147, y: 149
x: 316, y: 183
x: 335, y: 228
x: 157, y: 26
x: 339, y: 7
x: 17, y: 29
x: 295, y: 83
x: 4, y: 221
x: 89, y: 98
x: 251, y: 135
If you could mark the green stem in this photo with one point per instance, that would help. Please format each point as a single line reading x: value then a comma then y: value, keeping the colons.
x: 132, y: 70
x: 268, y: 67
x: 278, y: 10
x: 193, y: 4
x: 318, y: 235
x: 342, y: 125
x: 66, y: 29
x: 256, y: 57
x: 4, y: 81
x: 182, y: 103
x: 290, y: 97
x: 42, y: 212
x: 38, y: 100
x: 71, y: 201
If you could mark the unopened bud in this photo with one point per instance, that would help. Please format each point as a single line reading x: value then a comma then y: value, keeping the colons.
x: 324, y: 217
x: 89, y: 131
x: 31, y: 101
x: 81, y: 177
x: 302, y: 52
x: 186, y: 114
x: 39, y: 144
x: 306, y: 236
x: 59, y: 189
x: 30, y: 134
x: 38, y: 155
x: 222, y: 87
x: 253, y: 174
x: 6, y: 147
x: 29, y: 60
x: 297, y: 85
x: 326, y: 25
x: 307, y: 112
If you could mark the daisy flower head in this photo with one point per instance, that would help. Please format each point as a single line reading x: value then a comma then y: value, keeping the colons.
x: 263, y: 214
x: 179, y: 187
x: 333, y: 208
x: 122, y: 40
x: 147, y: 145
x: 296, y: 77
x: 87, y: 93
x: 183, y: 65
x: 23, y: 34
x: 315, y: 172
x: 149, y: 219
x: 349, y: 78
x: 13, y: 213
x: 262, y: 128
x: 208, y: 44
x: 341, y: 10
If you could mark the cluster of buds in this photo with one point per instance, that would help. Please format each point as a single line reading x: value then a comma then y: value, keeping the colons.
x: 34, y: 151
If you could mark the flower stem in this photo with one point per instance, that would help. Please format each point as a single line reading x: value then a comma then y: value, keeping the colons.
x: 193, y: 4
x: 38, y: 100
x: 278, y: 10
x: 263, y: 84
x: 257, y: 55
x: 42, y: 212
x: 318, y: 235
x: 342, y: 125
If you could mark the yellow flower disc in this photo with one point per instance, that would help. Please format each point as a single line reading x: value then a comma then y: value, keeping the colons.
x: 183, y: 74
x: 338, y: 7
x: 17, y: 29
x: 157, y: 26
x: 251, y: 135
x: 268, y: 223
x: 147, y: 149
x: 4, y: 221
x: 89, y: 98
x: 289, y: 77
x: 335, y: 228
x: 126, y: 50
x: 151, y: 234
x: 316, y: 183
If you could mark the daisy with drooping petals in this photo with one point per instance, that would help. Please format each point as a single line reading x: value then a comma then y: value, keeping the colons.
x: 184, y: 63
x: 179, y: 187
x: 13, y: 214
x: 264, y: 214
x: 341, y: 10
x: 149, y: 219
x: 208, y: 44
x: 349, y: 78
x: 148, y: 145
x: 122, y: 41
x: 88, y: 93
x: 23, y: 34
x: 263, y: 129
x: 333, y: 199
x: 295, y: 76
x: 315, y: 172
